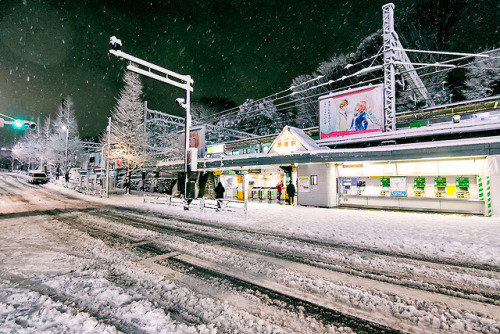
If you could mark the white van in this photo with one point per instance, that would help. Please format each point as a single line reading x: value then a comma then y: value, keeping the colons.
x: 37, y: 176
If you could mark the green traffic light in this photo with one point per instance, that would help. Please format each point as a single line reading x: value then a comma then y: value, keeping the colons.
x: 18, y: 124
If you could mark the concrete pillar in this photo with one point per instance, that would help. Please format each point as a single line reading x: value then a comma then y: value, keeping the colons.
x: 491, y: 186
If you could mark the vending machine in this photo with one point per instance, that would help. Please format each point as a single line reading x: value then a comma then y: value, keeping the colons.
x: 463, y: 187
x: 361, y: 185
x: 440, y: 186
x: 385, y: 186
x: 419, y: 187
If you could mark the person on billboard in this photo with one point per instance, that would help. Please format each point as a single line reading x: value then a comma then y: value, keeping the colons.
x: 343, y: 115
x: 290, y: 190
x: 279, y: 189
x: 360, y: 122
x: 219, y: 194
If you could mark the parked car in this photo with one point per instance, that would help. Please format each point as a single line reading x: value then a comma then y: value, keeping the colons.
x: 37, y: 176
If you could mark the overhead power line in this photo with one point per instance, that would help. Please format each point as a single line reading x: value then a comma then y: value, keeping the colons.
x: 228, y: 112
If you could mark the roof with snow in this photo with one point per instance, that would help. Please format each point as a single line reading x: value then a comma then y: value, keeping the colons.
x: 292, y: 139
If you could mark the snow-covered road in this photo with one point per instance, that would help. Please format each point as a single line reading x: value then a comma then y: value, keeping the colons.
x: 73, y: 263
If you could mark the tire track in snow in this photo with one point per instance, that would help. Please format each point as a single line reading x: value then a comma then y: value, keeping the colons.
x: 390, y: 275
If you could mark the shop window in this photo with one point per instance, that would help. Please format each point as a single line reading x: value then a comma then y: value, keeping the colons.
x: 236, y: 152
x: 314, y: 180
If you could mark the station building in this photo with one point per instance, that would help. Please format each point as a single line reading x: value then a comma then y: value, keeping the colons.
x: 435, y: 161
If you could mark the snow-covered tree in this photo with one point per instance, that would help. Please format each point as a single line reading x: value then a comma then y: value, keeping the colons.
x: 128, y: 136
x: 258, y: 117
x: 483, y: 77
x: 48, y: 144
x: 306, y: 104
x: 306, y: 99
x: 55, y: 137
x: 27, y: 150
x: 168, y: 144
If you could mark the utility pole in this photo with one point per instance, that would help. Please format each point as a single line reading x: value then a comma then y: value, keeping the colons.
x: 156, y: 72
x: 395, y: 57
x: 107, y: 157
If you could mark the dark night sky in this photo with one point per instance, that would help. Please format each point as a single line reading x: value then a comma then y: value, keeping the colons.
x: 232, y: 49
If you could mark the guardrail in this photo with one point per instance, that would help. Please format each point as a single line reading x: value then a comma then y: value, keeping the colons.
x: 201, y: 204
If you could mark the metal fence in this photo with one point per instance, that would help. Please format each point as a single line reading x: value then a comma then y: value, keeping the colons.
x: 199, y: 204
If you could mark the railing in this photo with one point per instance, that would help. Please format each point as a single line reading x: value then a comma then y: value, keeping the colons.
x: 200, y: 204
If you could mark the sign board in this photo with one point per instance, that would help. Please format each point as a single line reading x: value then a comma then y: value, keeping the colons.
x: 352, y: 112
x: 385, y: 182
x: 304, y: 184
x: 254, y: 171
x: 349, y: 185
x: 419, y: 182
x: 196, y: 139
x: 215, y: 149
x: 463, y: 182
x: 440, y: 181
x: 192, y: 159
x: 398, y: 186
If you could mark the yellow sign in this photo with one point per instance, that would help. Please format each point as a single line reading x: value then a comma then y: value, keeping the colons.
x: 351, y: 166
x: 217, y: 172
x: 451, y: 190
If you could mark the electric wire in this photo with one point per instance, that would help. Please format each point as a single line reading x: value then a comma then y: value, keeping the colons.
x: 250, y: 113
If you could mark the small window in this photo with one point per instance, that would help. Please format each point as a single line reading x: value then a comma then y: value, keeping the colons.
x: 314, y: 180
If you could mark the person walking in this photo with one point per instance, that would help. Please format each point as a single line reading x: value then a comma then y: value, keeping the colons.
x: 219, y: 194
x: 279, y: 189
x: 290, y: 190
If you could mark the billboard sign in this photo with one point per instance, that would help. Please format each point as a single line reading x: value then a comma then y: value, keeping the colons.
x: 398, y: 186
x: 352, y: 112
x: 196, y: 139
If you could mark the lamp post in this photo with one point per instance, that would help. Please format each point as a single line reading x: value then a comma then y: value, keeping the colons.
x: 156, y: 72
x: 66, y: 156
x: 107, y: 157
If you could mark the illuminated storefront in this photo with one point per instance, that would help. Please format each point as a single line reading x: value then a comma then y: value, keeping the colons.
x: 443, y: 176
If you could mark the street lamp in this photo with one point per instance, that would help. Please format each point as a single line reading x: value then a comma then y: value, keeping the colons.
x: 66, y: 161
x: 156, y: 72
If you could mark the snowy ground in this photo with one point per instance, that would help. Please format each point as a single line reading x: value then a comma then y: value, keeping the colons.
x: 57, y: 278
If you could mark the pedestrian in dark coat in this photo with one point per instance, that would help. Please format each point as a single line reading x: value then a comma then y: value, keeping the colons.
x: 219, y: 193
x: 290, y: 190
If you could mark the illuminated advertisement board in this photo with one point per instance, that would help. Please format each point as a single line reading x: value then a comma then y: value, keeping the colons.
x: 352, y: 112
x: 196, y: 139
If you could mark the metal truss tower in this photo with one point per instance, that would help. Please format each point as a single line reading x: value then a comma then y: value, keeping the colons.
x: 396, y: 58
x: 156, y: 117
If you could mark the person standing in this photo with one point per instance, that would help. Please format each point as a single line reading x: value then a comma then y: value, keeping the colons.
x: 290, y: 190
x: 279, y: 189
x: 219, y: 193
